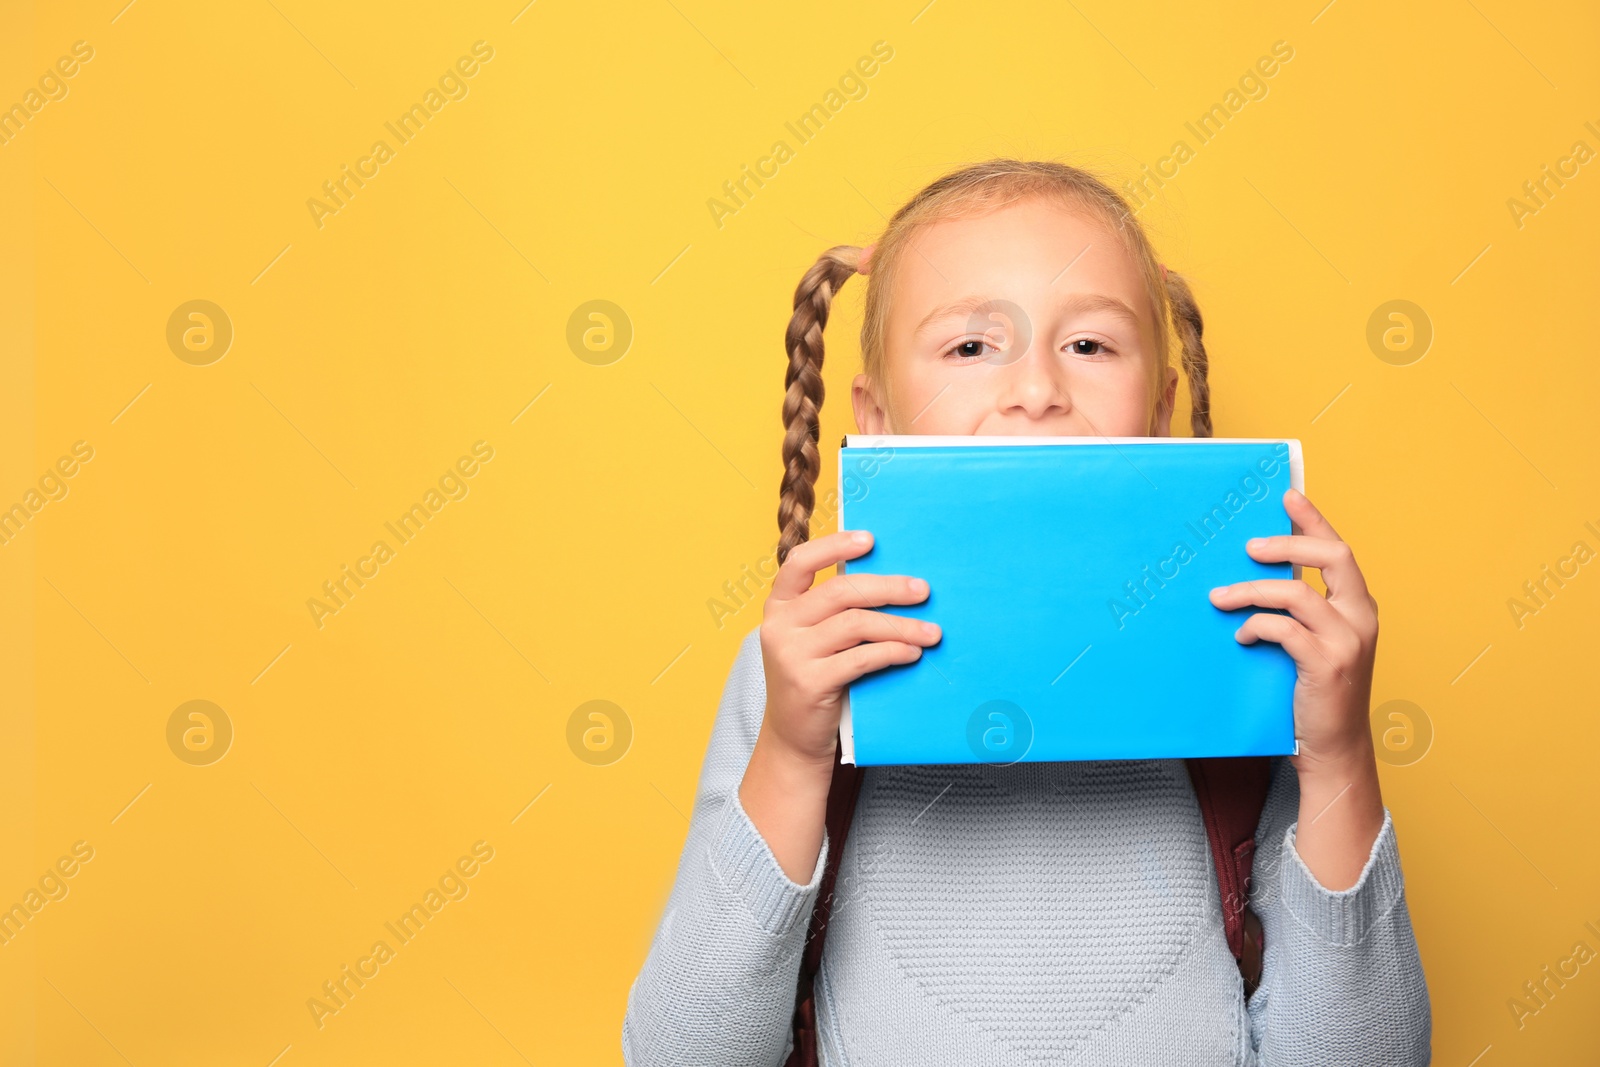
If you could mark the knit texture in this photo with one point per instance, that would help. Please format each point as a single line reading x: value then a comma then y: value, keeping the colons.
x: 1038, y: 913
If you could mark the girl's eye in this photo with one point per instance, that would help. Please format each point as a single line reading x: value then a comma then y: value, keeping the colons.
x: 972, y: 349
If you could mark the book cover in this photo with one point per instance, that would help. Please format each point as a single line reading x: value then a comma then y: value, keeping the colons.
x: 1071, y: 577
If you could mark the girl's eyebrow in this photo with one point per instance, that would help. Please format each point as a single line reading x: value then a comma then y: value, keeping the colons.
x: 1077, y: 302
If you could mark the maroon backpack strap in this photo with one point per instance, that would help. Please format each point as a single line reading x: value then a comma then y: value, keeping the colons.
x: 842, y: 794
x: 1232, y: 791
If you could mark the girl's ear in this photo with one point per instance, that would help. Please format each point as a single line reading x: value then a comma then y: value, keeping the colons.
x: 1169, y: 398
x: 870, y: 416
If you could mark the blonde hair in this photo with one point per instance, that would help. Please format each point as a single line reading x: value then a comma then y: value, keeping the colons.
x: 974, y: 190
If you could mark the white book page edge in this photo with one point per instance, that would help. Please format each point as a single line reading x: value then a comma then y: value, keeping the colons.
x: 857, y: 440
x: 847, y: 737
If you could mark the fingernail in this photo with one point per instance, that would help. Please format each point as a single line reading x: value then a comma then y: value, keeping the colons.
x: 1255, y: 542
x: 861, y: 537
x: 919, y: 586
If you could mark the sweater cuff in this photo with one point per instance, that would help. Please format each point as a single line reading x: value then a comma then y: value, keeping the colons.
x: 1346, y: 916
x: 745, y: 863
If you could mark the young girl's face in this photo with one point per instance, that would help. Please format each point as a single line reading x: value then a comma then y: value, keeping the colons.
x: 1032, y: 319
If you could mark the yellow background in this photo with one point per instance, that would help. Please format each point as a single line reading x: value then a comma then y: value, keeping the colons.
x: 373, y: 752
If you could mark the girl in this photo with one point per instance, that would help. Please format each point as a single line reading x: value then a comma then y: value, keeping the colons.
x: 1065, y: 912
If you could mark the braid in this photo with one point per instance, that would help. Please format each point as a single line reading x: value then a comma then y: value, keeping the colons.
x: 1186, y: 316
x: 803, y: 392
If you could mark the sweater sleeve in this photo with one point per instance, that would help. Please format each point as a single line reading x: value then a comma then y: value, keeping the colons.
x: 718, y: 984
x: 1342, y: 980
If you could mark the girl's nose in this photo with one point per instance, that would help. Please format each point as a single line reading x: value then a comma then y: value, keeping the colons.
x: 1032, y: 381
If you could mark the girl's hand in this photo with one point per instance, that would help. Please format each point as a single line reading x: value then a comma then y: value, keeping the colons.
x: 816, y: 641
x: 1333, y: 639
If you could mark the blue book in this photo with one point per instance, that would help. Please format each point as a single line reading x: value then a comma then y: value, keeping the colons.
x: 1071, y: 577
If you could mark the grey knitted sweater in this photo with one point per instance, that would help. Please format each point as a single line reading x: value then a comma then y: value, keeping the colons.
x: 1061, y: 913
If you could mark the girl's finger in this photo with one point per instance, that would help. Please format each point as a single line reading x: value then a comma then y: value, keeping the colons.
x: 1340, y: 572
x: 839, y: 670
x: 1334, y: 559
x: 844, y: 591
x: 1281, y: 629
x: 1300, y: 643
x: 1307, y: 517
x: 855, y: 625
x: 800, y: 568
x: 1303, y: 603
